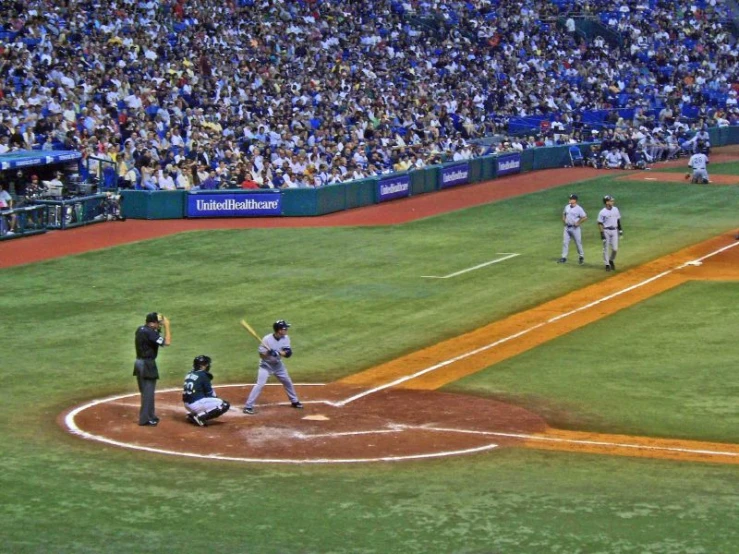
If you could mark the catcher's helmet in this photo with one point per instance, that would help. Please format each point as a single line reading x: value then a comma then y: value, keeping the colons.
x: 280, y: 324
x: 607, y: 197
x: 201, y: 361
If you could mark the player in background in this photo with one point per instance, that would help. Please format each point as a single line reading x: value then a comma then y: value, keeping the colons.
x: 573, y: 216
x: 609, y: 223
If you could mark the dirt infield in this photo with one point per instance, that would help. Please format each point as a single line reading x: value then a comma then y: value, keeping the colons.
x: 391, y: 425
x: 394, y: 411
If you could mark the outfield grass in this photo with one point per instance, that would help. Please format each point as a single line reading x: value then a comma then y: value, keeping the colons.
x: 356, y: 298
x: 725, y: 168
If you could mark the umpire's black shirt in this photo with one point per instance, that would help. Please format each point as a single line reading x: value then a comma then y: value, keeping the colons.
x: 147, y: 343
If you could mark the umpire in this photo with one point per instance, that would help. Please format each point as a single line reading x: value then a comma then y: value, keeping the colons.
x: 147, y: 341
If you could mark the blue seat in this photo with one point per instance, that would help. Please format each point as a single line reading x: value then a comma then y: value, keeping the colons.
x: 576, y: 157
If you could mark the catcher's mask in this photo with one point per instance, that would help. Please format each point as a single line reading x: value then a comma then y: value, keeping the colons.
x: 280, y: 324
x: 202, y: 362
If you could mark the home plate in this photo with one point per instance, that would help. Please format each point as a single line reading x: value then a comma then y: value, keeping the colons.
x: 317, y: 417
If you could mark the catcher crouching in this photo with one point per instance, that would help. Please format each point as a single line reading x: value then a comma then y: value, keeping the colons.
x: 200, y: 399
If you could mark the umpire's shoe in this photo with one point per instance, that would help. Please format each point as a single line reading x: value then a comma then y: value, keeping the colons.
x: 195, y: 420
x: 297, y: 405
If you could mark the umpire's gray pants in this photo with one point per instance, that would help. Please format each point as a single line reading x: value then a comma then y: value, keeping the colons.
x: 263, y: 375
x: 147, y: 387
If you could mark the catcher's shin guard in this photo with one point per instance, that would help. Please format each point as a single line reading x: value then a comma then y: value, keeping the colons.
x: 216, y: 412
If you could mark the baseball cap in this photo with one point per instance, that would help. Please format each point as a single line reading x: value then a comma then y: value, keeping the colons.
x: 152, y: 317
x: 573, y: 196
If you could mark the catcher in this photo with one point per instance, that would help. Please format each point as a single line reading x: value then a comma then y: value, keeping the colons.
x: 198, y: 395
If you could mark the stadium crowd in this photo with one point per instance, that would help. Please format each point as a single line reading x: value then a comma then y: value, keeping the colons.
x: 280, y: 93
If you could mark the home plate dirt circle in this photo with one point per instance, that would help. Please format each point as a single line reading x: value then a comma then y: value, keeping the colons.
x: 387, y: 425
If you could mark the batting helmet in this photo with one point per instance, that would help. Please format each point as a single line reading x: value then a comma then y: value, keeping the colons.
x: 573, y: 196
x: 201, y: 361
x: 607, y: 197
x: 280, y: 324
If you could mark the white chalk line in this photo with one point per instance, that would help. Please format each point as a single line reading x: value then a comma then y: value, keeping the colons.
x: 73, y: 428
x: 525, y: 436
x: 506, y: 256
x: 554, y: 319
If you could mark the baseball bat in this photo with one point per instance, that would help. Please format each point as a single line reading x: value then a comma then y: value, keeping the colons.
x: 253, y: 333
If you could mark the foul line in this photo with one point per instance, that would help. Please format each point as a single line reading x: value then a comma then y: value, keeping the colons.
x: 450, y: 361
x: 507, y: 256
x: 589, y: 442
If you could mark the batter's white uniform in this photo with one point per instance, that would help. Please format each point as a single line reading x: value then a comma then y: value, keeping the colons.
x: 573, y: 216
x: 609, y: 218
x: 272, y: 366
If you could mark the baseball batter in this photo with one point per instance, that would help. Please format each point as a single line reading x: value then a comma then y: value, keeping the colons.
x: 609, y: 223
x: 274, y: 347
x: 698, y: 163
x: 200, y: 399
x: 572, y: 217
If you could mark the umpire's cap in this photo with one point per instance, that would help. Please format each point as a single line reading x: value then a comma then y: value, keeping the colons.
x: 573, y: 196
x: 607, y: 197
x: 280, y: 324
x: 152, y: 317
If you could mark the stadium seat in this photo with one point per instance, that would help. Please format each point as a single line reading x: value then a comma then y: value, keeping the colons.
x: 576, y: 157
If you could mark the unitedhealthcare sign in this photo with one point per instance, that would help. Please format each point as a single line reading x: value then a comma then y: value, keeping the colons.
x: 510, y: 163
x: 233, y: 205
x: 394, y: 187
x: 455, y: 175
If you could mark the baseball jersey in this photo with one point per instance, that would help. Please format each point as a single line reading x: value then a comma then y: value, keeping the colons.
x: 613, y: 158
x: 270, y: 342
x: 698, y: 161
x: 609, y: 218
x: 573, y: 214
x: 197, y: 386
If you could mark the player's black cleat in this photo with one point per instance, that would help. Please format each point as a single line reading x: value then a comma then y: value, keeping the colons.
x: 151, y: 423
x: 581, y: 260
x: 561, y: 260
x: 297, y: 405
x: 608, y: 268
x: 195, y: 420
x: 248, y: 411
x: 613, y: 266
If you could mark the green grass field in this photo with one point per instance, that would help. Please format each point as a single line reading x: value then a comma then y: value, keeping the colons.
x: 356, y: 298
x: 725, y: 168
